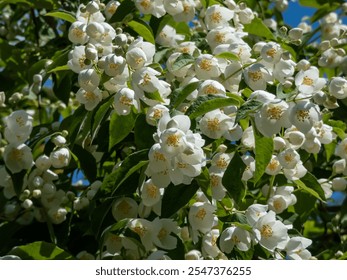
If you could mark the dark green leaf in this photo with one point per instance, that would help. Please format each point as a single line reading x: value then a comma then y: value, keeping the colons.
x: 310, y: 184
x: 263, y: 153
x: 17, y: 180
x: 101, y: 113
x: 180, y: 94
x: 143, y: 29
x: 124, y: 9
x: 40, y: 250
x: 176, y: 197
x: 207, y: 103
x: 143, y: 133
x: 64, y: 15
x: 120, y: 127
x: 130, y: 165
x: 247, y: 108
x: 204, y: 182
x: 72, y: 123
x: 183, y: 60
x: 232, y: 179
x: 86, y: 161
x: 257, y: 27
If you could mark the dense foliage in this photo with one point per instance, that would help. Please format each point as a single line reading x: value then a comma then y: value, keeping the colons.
x: 172, y: 129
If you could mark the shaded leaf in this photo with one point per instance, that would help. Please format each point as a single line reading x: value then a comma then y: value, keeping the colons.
x: 257, y: 27
x: 183, y: 60
x: 40, y: 250
x: 124, y: 9
x: 247, y: 108
x: 176, y: 197
x: 64, y: 15
x: 143, y: 133
x: 143, y: 29
x: 310, y: 184
x: 207, y: 103
x: 232, y: 179
x: 87, y: 162
x: 180, y: 94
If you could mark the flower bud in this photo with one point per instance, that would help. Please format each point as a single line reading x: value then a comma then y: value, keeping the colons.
x: 295, y: 33
x: 37, y: 78
x: 339, y: 184
x: 27, y: 204
x: 324, y: 45
x: 92, y: 7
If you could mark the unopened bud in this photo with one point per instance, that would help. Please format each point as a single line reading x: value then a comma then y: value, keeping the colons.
x: 27, y: 204
x: 303, y: 64
x: 334, y: 42
x: 295, y: 33
x: 341, y: 52
x: 323, y: 46
x: 37, y: 79
x: 92, y: 7
x: 283, y: 30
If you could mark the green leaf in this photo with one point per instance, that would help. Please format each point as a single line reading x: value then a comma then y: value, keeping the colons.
x: 183, y: 60
x: 130, y: 165
x: 176, y: 197
x: 143, y: 133
x: 180, y: 94
x: 102, y: 112
x: 87, y: 162
x: 143, y: 29
x: 257, y: 27
x: 247, y: 108
x: 329, y: 150
x: 5, y: 2
x: 227, y: 55
x: 59, y: 68
x: 232, y: 179
x: 40, y: 250
x: 73, y: 123
x: 124, y: 9
x: 310, y: 184
x: 204, y: 182
x: 120, y: 127
x: 17, y: 181
x: 263, y: 153
x: 207, y: 103
x: 64, y: 15
x: 154, y: 96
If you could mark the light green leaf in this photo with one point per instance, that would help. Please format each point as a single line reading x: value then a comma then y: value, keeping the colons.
x: 59, y: 68
x: 232, y: 179
x: 120, y: 127
x: 227, y: 55
x: 154, y: 96
x: 183, y: 60
x: 64, y: 15
x: 263, y: 153
x: 257, y: 27
x: 40, y: 250
x: 310, y: 184
x: 207, y: 103
x: 143, y: 29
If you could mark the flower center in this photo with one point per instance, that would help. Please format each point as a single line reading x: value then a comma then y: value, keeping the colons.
x: 302, y: 115
x: 201, y: 214
x: 146, y: 79
x: 210, y: 89
x: 141, y: 231
x: 235, y: 239
x: 146, y: 4
x: 288, y: 157
x: 113, y: 66
x: 81, y: 61
x: 220, y: 37
x: 159, y: 156
x: 124, y: 207
x: 213, y: 124
x: 162, y: 233
x: 20, y: 121
x: 181, y: 165
x: 266, y: 231
x: 214, y: 180
x: 77, y: 32
x: 173, y: 140
x: 89, y: 96
x: 277, y: 205
x: 157, y: 114
x: 255, y: 76
x: 222, y: 163
x: 112, y: 9
x: 206, y: 64
x: 17, y: 154
x: 125, y: 100
x: 216, y: 17
x: 271, y: 52
x: 307, y: 81
x: 273, y: 164
x: 151, y: 191
x: 274, y: 113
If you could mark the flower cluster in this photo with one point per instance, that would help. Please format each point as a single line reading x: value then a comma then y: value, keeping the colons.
x: 235, y: 119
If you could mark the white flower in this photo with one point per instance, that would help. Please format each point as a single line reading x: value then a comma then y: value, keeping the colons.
x: 338, y: 87
x: 283, y: 70
x: 59, y: 140
x: 294, y: 139
x: 217, y: 188
x: 181, y: 72
x: 295, y: 173
x: 89, y: 17
x: 271, y: 52
x: 308, y: 81
x: 250, y: 167
x: 289, y: 158
x: 162, y: 229
x: 256, y: 76
x: 18, y: 157
x: 220, y: 162
x: 88, y: 80
x: 303, y: 115
x: 57, y: 215
x: 150, y: 193
x: 206, y: 67
x: 124, y: 207
x: 111, y: 8
x: 273, y: 167
x: 146, y: 47
x: 168, y: 37
x: 341, y: 149
x: 296, y: 248
x: 60, y: 158
x: 222, y: 35
x: 144, y: 229
x: 279, y: 202
x: 272, y: 117
x: 339, y: 184
x: 154, y: 7
x: 235, y: 236
x: 209, y: 244
x: 254, y: 212
x: 155, y: 113
x: 211, y: 87
x: 124, y: 99
x: 18, y: 127
x: 90, y: 99
x: 217, y: 15
x: 248, y: 138
x: 326, y: 186
x: 114, y: 65
x: 233, y: 76
x: 136, y: 58
x: 270, y: 232
x: 77, y: 59
x: 43, y: 162
x: 215, y: 124
x: 77, y: 33
x: 181, y: 10
x: 201, y: 217
x: 193, y: 255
